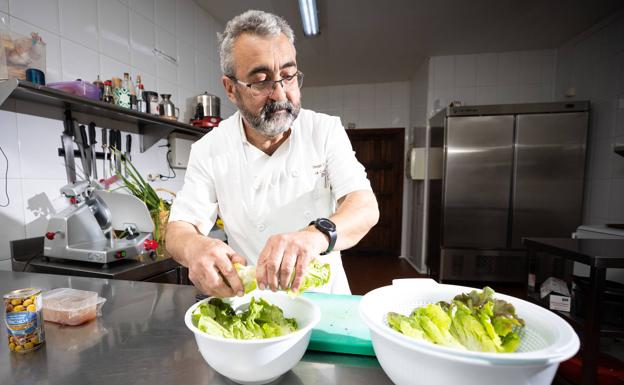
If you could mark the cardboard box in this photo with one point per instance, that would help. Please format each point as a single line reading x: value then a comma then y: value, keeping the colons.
x: 557, y: 293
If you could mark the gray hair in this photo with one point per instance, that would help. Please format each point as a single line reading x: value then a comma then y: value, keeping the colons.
x: 254, y: 22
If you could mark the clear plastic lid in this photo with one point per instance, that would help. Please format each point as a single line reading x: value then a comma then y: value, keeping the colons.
x: 67, y: 299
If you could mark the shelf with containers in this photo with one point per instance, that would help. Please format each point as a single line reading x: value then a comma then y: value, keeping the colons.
x: 151, y: 128
x: 554, y: 257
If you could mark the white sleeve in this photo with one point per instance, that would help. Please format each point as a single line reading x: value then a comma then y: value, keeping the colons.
x: 196, y: 203
x: 346, y: 173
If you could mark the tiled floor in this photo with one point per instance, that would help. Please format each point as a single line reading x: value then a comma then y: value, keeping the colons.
x: 368, y: 273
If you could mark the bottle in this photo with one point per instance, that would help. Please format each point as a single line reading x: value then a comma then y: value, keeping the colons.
x: 99, y: 84
x: 115, y: 86
x: 141, y: 102
x: 122, y: 92
x: 107, y: 96
x: 133, y: 96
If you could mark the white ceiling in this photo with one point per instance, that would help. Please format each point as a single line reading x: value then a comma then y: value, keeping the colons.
x: 367, y: 41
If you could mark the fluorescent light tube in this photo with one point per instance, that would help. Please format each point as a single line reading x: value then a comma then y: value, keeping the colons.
x: 309, y: 18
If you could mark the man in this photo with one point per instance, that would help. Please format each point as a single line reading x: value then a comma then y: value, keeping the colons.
x: 272, y: 171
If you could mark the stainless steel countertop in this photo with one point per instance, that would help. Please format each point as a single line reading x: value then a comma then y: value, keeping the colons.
x: 141, y: 339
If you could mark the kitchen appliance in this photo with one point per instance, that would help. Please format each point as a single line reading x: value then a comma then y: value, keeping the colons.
x: 206, y: 109
x: 167, y: 109
x: 546, y: 341
x: 86, y: 230
x: 508, y: 172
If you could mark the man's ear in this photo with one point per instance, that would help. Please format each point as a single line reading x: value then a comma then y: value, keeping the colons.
x: 228, y: 85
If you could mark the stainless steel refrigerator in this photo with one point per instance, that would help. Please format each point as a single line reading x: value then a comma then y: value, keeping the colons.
x: 509, y: 171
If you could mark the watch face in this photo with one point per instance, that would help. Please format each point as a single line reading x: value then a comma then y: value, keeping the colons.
x: 326, y: 224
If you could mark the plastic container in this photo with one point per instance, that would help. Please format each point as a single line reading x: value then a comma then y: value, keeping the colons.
x: 70, y: 306
x: 78, y: 88
x: 19, y: 52
x: 546, y: 341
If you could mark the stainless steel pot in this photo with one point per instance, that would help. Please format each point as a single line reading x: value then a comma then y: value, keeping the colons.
x: 205, y: 105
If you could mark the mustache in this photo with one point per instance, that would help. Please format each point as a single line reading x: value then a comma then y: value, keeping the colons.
x: 275, y: 106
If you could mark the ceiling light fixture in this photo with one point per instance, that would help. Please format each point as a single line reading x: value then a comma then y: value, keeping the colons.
x: 309, y: 17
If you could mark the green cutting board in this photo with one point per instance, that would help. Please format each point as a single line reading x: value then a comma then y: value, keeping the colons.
x: 340, y: 330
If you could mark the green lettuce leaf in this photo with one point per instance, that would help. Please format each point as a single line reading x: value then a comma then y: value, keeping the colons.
x: 474, y: 321
x: 406, y: 325
x: 317, y: 274
x: 436, y: 324
x: 260, y: 319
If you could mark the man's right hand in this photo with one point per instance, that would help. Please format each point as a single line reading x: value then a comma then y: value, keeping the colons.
x: 210, y: 264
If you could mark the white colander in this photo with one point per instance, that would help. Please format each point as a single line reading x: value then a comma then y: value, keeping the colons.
x: 546, y: 340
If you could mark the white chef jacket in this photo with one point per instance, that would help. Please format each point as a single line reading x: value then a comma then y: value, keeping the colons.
x: 258, y: 195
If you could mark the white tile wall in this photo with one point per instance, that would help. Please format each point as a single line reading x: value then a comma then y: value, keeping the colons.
x: 42, y: 13
x: 106, y: 37
x: 79, y: 20
x: 142, y: 42
x: 507, y: 77
x: 12, y: 216
x: 144, y: 7
x: 380, y: 105
x: 114, y: 30
x: 593, y: 65
x: 10, y: 145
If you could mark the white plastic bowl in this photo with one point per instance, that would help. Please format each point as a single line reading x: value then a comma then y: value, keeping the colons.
x: 262, y: 360
x: 546, y: 341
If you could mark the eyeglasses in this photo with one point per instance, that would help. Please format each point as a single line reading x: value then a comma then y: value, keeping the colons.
x: 266, y: 87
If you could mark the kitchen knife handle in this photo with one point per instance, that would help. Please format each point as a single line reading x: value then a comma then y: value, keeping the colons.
x: 69, y: 124
x: 118, y: 140
x: 111, y: 137
x: 83, y: 136
x: 128, y: 143
x: 92, y: 137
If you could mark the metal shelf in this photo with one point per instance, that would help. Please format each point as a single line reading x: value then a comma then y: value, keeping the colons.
x: 150, y: 127
x: 575, y: 321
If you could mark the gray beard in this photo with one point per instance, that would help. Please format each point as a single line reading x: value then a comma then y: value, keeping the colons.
x: 269, y: 123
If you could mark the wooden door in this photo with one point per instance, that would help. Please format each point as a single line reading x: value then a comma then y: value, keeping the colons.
x: 381, y: 151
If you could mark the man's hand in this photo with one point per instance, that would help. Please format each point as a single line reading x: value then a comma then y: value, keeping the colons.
x: 284, y: 254
x: 211, y: 268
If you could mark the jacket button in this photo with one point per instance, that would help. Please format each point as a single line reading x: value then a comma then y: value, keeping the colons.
x: 261, y: 227
x: 295, y: 173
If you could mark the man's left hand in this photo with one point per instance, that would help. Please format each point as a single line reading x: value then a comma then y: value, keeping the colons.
x: 286, y: 253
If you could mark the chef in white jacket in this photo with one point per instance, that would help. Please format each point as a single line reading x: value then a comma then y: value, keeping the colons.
x: 284, y: 180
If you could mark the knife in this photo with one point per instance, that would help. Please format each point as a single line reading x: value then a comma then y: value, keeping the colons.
x: 127, y: 153
x: 118, y: 146
x: 81, y: 140
x: 111, y: 146
x: 104, y: 148
x: 68, y: 147
x: 92, y: 142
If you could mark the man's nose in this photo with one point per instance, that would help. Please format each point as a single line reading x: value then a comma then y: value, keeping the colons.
x: 278, y: 94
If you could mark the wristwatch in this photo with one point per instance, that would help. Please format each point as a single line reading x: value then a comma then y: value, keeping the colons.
x: 328, y: 228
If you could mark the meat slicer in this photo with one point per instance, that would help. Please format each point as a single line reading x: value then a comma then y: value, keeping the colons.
x: 86, y: 230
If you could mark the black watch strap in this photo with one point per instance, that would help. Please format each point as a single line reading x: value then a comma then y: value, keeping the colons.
x: 328, y: 228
